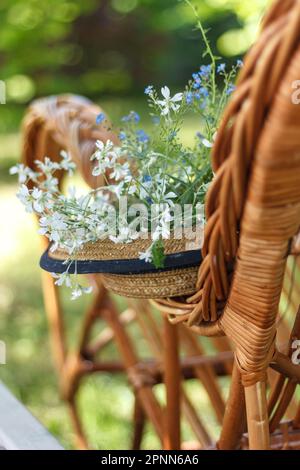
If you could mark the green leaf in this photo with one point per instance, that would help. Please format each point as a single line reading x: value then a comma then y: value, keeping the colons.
x: 158, y: 254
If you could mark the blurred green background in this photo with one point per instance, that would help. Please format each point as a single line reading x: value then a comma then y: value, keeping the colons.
x: 109, y: 51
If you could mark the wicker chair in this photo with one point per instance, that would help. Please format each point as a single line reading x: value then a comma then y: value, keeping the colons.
x: 253, y: 213
x: 69, y: 122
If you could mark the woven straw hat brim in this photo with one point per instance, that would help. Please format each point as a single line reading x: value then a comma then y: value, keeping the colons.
x: 183, y: 260
x: 157, y: 285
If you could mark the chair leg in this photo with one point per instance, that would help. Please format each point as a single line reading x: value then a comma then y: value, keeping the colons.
x: 143, y: 388
x: 172, y: 376
x: 80, y: 438
x: 234, y: 421
x: 297, y: 418
x: 139, y: 421
x: 257, y: 416
x: 55, y: 319
x: 205, y: 373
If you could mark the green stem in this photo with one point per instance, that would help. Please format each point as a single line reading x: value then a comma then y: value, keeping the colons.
x: 208, y: 48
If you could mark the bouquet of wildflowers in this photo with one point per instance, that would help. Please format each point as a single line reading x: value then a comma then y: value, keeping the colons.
x: 147, y: 170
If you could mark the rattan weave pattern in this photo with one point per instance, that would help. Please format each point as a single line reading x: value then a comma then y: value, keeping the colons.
x: 153, y: 285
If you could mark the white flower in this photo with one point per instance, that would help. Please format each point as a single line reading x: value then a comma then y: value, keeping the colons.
x: 161, y: 231
x: 98, y: 170
x: 55, y: 236
x: 207, y: 143
x: 76, y: 293
x: 51, y: 183
x: 169, y: 103
x: 38, y: 207
x: 168, y: 198
x: 100, y: 203
x: 105, y: 146
x: 43, y: 231
x: 47, y: 166
x: 52, y: 225
x: 123, y: 237
x: 100, y: 230
x: 79, y: 290
x: 106, y: 156
x: 23, y: 191
x: 24, y: 196
x: 36, y: 193
x: 57, y: 221
x: 66, y: 163
x: 166, y: 215
x: 120, y: 171
x: 80, y: 233
x: 23, y: 172
x: 14, y: 170
x: 117, y: 189
x: 62, y: 279
x: 146, y: 255
x: 38, y: 197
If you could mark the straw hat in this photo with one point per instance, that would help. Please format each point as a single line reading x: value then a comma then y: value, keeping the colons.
x: 125, y: 274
